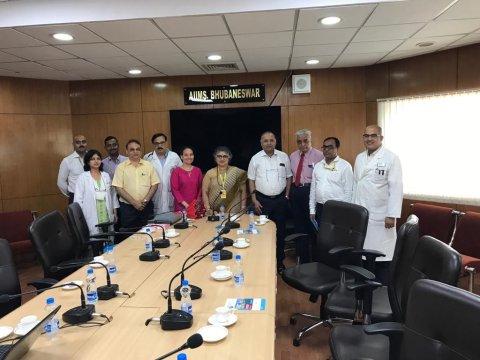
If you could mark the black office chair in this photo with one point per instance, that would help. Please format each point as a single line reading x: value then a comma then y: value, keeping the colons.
x: 347, y: 304
x: 343, y: 227
x: 9, y: 283
x: 55, y: 245
x: 81, y: 233
x: 441, y: 322
x: 432, y: 260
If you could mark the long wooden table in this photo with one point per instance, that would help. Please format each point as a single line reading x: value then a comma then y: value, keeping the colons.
x: 127, y: 337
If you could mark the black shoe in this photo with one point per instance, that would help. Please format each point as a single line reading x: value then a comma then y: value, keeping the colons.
x: 280, y: 268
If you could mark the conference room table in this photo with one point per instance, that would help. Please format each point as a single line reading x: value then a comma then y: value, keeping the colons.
x: 127, y: 336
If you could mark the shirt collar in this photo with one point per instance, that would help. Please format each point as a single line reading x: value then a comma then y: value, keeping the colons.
x: 375, y: 152
x: 275, y: 152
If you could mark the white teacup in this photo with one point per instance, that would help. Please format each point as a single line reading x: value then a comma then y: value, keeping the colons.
x: 221, y: 270
x: 222, y: 313
x: 98, y: 258
x: 170, y: 232
x: 263, y: 218
x: 242, y: 242
x: 28, y: 322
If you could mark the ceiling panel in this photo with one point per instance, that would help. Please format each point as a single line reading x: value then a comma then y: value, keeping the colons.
x: 324, y: 61
x: 4, y: 57
x: 39, y: 53
x: 69, y: 64
x: 146, y: 71
x: 126, y: 30
x: 462, y: 9
x: 352, y: 16
x: 10, y: 38
x: 402, y: 54
x: 449, y: 27
x: 466, y: 40
x: 178, y: 69
x: 190, y: 26
x: 318, y: 50
x: 227, y: 56
x: 44, y: 33
x: 387, y: 32
x: 150, y: 47
x: 205, y: 43
x: 92, y: 50
x: 98, y: 73
x: 116, y: 62
x: 165, y: 59
x: 23, y: 66
x: 439, y: 41
x: 254, y: 41
x: 50, y: 74
x: 261, y: 22
x: 267, y: 52
x: 358, y: 60
x: 372, y: 47
x: 327, y: 36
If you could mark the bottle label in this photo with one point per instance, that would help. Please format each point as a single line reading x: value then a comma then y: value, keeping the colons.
x: 112, y: 269
x: 148, y: 246
x: 187, y: 308
x: 238, y: 279
x: 92, y: 296
x: 216, y: 256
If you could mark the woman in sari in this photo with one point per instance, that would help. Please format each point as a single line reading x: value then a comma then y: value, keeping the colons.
x: 224, y: 184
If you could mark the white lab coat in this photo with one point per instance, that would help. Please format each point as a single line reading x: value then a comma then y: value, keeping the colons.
x: 85, y: 197
x: 379, y: 187
x: 163, y: 198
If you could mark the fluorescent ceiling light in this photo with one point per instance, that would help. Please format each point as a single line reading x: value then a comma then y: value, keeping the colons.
x: 134, y: 72
x: 312, y: 62
x: 214, y: 57
x: 330, y: 20
x: 63, y: 37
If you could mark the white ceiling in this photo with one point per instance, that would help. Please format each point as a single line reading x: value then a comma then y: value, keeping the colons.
x: 276, y: 35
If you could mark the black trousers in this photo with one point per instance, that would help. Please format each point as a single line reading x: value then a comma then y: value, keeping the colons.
x: 276, y: 210
x: 299, y: 197
x: 131, y: 218
x: 70, y: 197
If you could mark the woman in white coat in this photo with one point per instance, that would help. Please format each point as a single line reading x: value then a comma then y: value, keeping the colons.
x: 95, y: 194
x: 164, y: 161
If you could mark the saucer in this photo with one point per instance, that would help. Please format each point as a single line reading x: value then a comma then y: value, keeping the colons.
x: 104, y: 262
x: 213, y: 333
x: 258, y: 220
x: 231, y: 319
x: 23, y: 330
x: 245, y: 244
x: 5, y: 331
x: 172, y: 235
x: 258, y: 223
x: 224, y: 276
x: 72, y: 287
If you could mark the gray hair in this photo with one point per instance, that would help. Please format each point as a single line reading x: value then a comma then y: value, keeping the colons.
x: 303, y: 132
x: 222, y: 149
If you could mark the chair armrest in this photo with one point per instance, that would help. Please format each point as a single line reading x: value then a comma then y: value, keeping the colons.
x: 358, y: 272
x: 340, y: 250
x: 105, y: 224
x: 294, y: 237
x: 394, y: 331
x: 370, y: 257
x: 360, y: 285
x: 41, y: 284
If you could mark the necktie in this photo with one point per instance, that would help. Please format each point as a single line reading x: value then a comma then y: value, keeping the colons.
x: 298, y: 174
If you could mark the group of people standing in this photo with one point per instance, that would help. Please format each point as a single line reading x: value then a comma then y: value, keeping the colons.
x: 133, y: 189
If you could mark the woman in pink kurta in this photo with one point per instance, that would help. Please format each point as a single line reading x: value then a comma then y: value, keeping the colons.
x: 186, y: 181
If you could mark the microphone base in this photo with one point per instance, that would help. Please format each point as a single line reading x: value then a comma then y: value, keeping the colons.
x: 161, y: 244
x: 225, y: 255
x: 176, y: 320
x: 213, y: 218
x: 150, y: 256
x: 106, y: 292
x: 227, y: 241
x: 232, y: 225
x: 182, y: 225
x: 196, y: 292
x: 79, y: 315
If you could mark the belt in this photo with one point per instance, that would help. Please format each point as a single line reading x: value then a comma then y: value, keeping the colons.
x: 301, y: 185
x: 282, y: 194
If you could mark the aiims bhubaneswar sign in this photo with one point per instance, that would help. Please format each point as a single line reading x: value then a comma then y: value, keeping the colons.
x: 224, y: 94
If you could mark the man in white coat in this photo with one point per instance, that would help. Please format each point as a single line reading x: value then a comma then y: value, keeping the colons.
x: 379, y: 187
x: 164, y: 161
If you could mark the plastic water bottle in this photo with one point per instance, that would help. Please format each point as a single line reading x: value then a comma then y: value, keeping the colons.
x: 148, y: 239
x: 215, y: 258
x: 111, y: 266
x: 182, y: 356
x: 219, y: 238
x: 251, y: 225
x: 186, y: 300
x: 184, y: 214
x: 52, y: 327
x: 222, y: 212
x: 238, y: 276
x: 92, y: 295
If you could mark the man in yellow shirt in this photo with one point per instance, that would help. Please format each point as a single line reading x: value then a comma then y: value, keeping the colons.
x: 136, y: 182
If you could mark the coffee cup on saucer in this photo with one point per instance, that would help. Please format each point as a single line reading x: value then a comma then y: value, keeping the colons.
x: 170, y: 232
x: 221, y: 270
x: 222, y: 313
x: 242, y: 242
x: 263, y: 218
x: 98, y: 258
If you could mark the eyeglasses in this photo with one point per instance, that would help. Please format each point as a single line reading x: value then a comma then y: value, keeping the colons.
x: 222, y: 156
x: 327, y: 147
x: 373, y: 136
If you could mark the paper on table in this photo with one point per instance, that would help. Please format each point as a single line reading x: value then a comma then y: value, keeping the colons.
x: 248, y: 232
x: 247, y: 304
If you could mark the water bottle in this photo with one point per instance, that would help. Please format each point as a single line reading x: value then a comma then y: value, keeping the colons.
x: 238, y: 277
x: 184, y: 214
x: 111, y: 266
x: 182, y: 356
x: 222, y: 212
x: 92, y: 295
x: 186, y: 300
x: 251, y: 225
x: 51, y: 327
x: 148, y: 239
x: 219, y: 237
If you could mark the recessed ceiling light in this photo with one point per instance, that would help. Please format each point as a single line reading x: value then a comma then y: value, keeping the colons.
x: 425, y: 44
x: 134, y: 71
x: 214, y: 57
x: 312, y: 62
x: 330, y: 20
x: 63, y: 37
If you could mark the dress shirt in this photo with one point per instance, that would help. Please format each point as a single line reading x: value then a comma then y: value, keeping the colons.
x: 70, y: 168
x: 312, y: 157
x: 270, y: 173
x: 136, y: 180
x: 109, y: 165
x: 332, y: 181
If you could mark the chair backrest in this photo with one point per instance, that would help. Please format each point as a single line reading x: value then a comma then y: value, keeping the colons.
x: 432, y: 260
x: 53, y: 242
x: 14, y: 225
x: 442, y: 322
x: 436, y: 221
x: 341, y: 224
x: 78, y: 227
x: 9, y: 283
x: 467, y: 236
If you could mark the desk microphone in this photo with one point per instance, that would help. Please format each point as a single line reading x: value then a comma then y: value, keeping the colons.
x: 184, y: 223
x: 164, y: 243
x: 174, y: 319
x: 77, y: 315
x: 193, y: 342
x: 232, y: 224
x: 196, y: 292
x: 214, y: 217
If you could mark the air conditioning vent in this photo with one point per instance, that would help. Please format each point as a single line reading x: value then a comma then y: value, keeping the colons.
x: 220, y: 67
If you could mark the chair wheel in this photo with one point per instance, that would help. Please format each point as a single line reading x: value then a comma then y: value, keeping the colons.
x: 293, y: 320
x: 296, y: 342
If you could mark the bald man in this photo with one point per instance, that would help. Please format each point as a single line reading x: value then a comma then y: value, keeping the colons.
x: 71, y: 167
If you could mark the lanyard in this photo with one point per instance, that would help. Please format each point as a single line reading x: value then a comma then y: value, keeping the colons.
x: 223, y: 178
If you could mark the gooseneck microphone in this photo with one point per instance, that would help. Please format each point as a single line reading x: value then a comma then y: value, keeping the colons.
x: 196, y: 292
x: 232, y: 224
x: 174, y: 319
x: 163, y: 243
x: 214, y: 217
x: 77, y: 315
x: 193, y: 342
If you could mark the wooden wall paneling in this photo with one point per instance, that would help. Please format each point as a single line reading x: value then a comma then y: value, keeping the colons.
x: 286, y: 133
x: 332, y: 86
x: 376, y: 82
x: 345, y: 121
x: 426, y: 74
x: 468, y: 69
x: 6, y: 95
x: 94, y: 127
x: 371, y: 113
x: 105, y: 96
x: 43, y: 203
x: 155, y: 122
x: 166, y: 93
